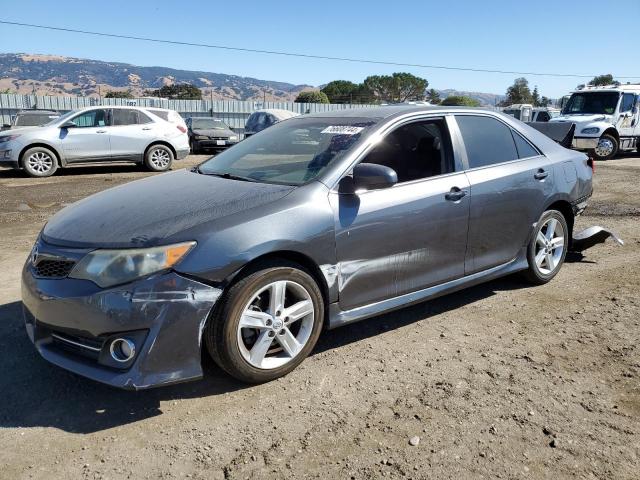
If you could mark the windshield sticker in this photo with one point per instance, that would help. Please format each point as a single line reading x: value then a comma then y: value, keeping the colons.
x: 342, y: 130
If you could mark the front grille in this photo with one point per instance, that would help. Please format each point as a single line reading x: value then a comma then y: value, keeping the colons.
x: 46, y: 268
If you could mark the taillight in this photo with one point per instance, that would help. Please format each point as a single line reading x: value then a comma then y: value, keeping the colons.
x: 181, y: 128
x: 592, y: 164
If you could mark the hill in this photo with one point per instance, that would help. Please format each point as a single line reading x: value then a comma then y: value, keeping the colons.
x: 58, y: 75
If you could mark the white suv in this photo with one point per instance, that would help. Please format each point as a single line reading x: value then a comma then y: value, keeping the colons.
x: 151, y: 136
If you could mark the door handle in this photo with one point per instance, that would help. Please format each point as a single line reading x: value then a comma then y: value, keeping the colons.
x: 101, y: 131
x: 541, y: 174
x: 455, y: 194
x: 146, y: 128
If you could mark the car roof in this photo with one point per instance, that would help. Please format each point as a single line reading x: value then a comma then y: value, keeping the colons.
x: 37, y: 111
x: 278, y: 112
x: 387, y: 111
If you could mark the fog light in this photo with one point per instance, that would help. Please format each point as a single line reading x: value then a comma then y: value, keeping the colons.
x: 122, y: 350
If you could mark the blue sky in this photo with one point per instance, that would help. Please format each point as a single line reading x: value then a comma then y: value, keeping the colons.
x: 549, y: 36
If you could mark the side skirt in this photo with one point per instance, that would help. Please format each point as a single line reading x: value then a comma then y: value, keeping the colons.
x: 338, y: 318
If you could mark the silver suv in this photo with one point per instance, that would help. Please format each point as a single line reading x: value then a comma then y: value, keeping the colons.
x: 154, y: 137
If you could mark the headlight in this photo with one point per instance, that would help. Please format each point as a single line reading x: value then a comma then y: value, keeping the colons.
x: 201, y: 137
x: 8, y: 138
x: 590, y: 130
x: 233, y: 138
x: 112, y: 267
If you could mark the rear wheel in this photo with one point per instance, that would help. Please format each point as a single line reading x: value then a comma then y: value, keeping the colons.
x: 39, y: 162
x: 607, y: 147
x: 548, y: 247
x: 267, y: 324
x: 158, y: 158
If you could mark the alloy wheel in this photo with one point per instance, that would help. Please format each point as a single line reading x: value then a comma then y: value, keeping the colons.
x: 549, y: 246
x: 160, y: 158
x: 275, y: 324
x: 40, y: 162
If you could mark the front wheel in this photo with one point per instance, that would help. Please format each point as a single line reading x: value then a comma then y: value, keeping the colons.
x: 548, y: 247
x: 607, y: 147
x: 158, y: 158
x: 267, y: 323
x: 39, y: 162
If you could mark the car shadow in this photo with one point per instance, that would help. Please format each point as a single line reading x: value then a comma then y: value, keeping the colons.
x: 98, y: 169
x: 38, y: 394
x: 422, y: 311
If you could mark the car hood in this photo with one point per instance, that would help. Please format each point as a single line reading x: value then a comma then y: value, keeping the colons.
x: 13, y: 130
x: 213, y: 132
x: 586, y: 118
x: 149, y: 212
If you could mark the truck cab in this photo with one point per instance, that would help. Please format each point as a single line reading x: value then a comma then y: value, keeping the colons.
x: 607, y: 119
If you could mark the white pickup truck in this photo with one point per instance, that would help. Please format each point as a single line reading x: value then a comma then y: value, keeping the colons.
x: 607, y: 119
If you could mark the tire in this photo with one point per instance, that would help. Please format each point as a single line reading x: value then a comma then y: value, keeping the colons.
x: 258, y: 355
x: 607, y: 147
x: 158, y: 158
x: 544, y: 266
x: 193, y: 147
x: 39, y: 162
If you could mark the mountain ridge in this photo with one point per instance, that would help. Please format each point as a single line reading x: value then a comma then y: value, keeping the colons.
x: 26, y: 73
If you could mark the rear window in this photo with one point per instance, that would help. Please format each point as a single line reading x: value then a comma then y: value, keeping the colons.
x: 486, y: 140
x: 163, y: 114
x: 34, y: 120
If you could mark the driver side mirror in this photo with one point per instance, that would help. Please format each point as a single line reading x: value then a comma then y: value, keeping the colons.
x: 68, y: 124
x: 368, y: 176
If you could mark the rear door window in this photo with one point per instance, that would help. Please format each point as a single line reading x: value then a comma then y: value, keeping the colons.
x: 486, y: 140
x: 123, y: 116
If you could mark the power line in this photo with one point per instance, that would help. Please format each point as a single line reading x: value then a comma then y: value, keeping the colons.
x: 300, y: 55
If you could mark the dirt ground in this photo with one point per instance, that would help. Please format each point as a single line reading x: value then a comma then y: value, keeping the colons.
x: 500, y: 381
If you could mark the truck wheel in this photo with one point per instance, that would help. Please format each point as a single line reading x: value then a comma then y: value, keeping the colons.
x: 39, y: 162
x: 607, y: 147
x: 158, y: 158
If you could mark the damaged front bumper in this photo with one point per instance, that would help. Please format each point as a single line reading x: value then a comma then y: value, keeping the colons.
x: 73, y: 324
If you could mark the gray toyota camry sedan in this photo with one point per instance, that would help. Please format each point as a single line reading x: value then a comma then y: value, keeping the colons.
x: 316, y: 222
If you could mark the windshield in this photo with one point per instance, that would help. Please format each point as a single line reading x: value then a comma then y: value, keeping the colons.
x: 292, y: 152
x: 208, y: 124
x: 61, y: 119
x: 33, y: 120
x: 592, y: 102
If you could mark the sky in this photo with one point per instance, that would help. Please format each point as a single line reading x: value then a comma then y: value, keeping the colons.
x: 561, y: 36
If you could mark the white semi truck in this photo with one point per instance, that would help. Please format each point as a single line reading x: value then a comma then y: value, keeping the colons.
x: 607, y: 119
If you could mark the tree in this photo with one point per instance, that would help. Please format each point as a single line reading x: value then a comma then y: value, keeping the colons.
x: 433, y: 97
x: 461, y: 101
x: 340, y: 91
x: 115, y: 94
x: 545, y: 101
x: 535, y: 97
x: 312, y: 96
x: 182, y: 91
x: 396, y: 88
x: 603, y: 80
x: 518, y: 92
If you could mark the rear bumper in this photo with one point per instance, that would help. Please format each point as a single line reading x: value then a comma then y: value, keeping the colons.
x: 180, y: 154
x: 72, y: 323
x: 584, y: 143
